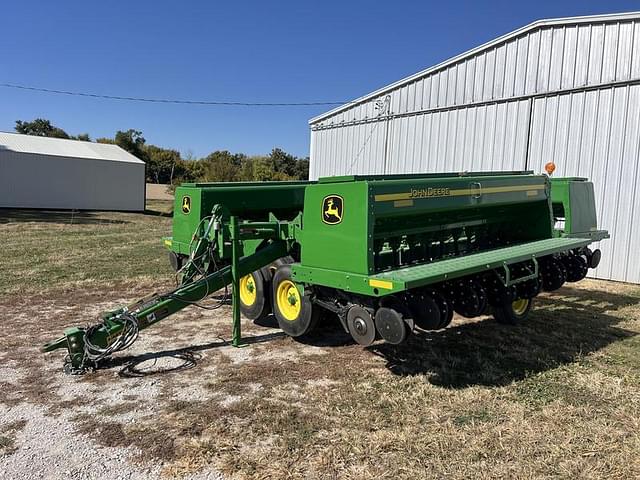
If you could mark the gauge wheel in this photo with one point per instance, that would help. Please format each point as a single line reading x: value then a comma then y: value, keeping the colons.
x: 514, y: 312
x: 294, y: 311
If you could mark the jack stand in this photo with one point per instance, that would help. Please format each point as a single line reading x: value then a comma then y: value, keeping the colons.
x: 235, y: 292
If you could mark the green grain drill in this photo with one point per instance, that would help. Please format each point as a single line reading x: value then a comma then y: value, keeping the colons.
x: 386, y: 254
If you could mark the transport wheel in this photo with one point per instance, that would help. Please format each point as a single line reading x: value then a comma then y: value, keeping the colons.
x: 514, y: 312
x: 270, y: 270
x: 254, y: 303
x: 391, y: 326
x: 294, y: 311
x: 425, y: 310
x: 361, y: 325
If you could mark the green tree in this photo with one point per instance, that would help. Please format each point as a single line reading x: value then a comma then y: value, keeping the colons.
x: 283, y: 162
x: 302, y: 169
x: 40, y: 127
x: 161, y: 163
x: 132, y: 141
x: 263, y: 169
x: 83, y: 136
x: 223, y: 166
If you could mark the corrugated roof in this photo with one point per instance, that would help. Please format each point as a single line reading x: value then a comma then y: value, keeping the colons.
x: 60, y: 147
x: 532, y: 26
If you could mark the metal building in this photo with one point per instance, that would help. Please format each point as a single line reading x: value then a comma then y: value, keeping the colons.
x: 563, y: 90
x: 52, y: 173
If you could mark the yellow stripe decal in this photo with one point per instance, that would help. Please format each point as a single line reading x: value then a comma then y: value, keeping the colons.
x: 380, y: 284
x: 167, y: 243
x: 387, y: 197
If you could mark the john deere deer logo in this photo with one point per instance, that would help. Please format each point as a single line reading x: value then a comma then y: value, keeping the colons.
x: 332, y: 209
x: 186, y: 204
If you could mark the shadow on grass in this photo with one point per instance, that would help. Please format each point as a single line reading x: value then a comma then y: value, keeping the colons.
x: 69, y: 217
x: 157, y: 213
x: 562, y: 327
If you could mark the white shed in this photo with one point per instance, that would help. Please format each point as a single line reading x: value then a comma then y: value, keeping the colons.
x: 564, y: 90
x: 54, y: 173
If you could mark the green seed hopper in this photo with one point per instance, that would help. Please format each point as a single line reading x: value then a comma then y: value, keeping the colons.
x: 386, y: 254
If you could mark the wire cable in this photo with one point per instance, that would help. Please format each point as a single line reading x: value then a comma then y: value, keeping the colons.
x: 171, y: 101
x: 128, y: 335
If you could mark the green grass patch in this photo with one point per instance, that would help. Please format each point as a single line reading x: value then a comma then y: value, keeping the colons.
x: 43, y: 250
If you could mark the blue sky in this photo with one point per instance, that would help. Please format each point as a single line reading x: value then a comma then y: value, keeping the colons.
x: 258, y: 51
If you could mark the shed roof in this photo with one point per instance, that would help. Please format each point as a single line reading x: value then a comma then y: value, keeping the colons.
x: 61, y: 147
x: 616, y: 17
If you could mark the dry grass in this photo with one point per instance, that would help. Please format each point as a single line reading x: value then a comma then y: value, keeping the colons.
x: 558, y: 396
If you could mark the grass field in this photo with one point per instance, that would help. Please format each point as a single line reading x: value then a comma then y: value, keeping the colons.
x: 558, y: 396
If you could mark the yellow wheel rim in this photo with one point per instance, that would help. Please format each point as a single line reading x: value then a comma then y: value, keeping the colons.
x: 288, y: 299
x: 520, y: 306
x: 248, y: 290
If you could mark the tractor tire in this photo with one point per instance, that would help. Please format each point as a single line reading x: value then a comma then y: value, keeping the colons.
x: 270, y: 270
x: 514, y: 312
x: 255, y: 300
x: 295, y: 313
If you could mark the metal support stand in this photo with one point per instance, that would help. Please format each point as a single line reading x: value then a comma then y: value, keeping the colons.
x: 235, y: 294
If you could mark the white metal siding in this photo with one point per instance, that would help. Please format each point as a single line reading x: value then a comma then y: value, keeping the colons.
x: 565, y: 90
x: 52, y: 182
x: 597, y: 135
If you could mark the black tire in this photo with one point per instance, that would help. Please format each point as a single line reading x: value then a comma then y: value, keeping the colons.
x: 270, y: 270
x: 176, y: 261
x: 260, y: 306
x: 302, y: 317
x: 514, y: 312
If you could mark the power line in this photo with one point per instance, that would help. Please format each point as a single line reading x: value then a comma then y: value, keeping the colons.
x: 167, y: 100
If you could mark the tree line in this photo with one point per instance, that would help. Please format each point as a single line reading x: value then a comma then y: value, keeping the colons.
x: 168, y: 166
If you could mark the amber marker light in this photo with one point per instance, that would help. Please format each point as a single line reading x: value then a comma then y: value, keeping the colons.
x: 550, y: 167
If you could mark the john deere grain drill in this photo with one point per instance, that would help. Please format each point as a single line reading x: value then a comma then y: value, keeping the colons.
x: 386, y: 254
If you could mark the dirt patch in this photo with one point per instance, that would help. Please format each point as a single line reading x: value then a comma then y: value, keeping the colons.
x: 158, y: 191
